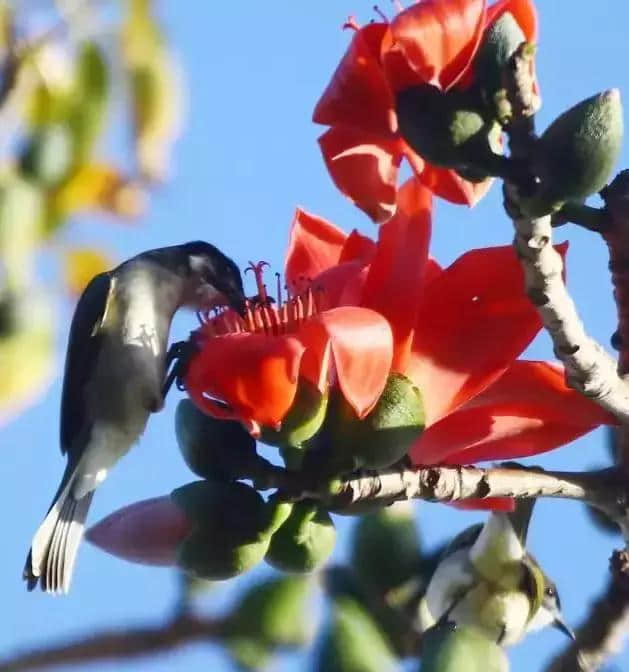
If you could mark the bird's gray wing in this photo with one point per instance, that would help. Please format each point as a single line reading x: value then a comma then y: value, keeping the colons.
x: 82, y: 353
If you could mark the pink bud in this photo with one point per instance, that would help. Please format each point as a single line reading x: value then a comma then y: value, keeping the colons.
x: 147, y: 532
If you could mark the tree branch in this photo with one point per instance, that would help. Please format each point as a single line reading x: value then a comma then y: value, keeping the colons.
x: 119, y: 644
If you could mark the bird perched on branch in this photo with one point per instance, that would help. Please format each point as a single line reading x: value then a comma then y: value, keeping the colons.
x: 487, y: 579
x: 115, y: 372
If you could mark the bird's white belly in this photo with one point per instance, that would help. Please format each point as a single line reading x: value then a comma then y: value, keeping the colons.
x: 108, y: 443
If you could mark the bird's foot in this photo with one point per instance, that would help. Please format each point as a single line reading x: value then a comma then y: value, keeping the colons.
x: 177, y: 361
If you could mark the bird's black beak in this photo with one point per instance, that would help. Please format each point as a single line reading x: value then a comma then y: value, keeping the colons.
x: 238, y: 303
x: 561, y: 625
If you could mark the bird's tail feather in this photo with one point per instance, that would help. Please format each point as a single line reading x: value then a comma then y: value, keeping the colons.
x: 56, y: 542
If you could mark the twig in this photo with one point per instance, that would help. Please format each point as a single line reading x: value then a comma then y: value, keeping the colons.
x: 119, y: 644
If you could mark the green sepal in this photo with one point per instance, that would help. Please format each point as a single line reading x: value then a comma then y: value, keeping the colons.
x: 386, y: 551
x: 499, y: 43
x: 212, y: 448
x: 302, y: 421
x: 384, y: 436
x: 229, y: 529
x: 450, y: 130
x: 304, y: 541
x: 449, y: 648
x: 274, y: 613
x: 352, y: 642
x: 575, y: 156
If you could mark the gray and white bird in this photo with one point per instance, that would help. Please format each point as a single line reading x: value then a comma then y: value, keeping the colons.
x: 488, y: 580
x: 114, y: 378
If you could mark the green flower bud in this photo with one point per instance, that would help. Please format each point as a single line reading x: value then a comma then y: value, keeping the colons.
x: 447, y: 129
x: 375, y: 535
x: 500, y: 40
x: 47, y: 157
x: 303, y: 420
x: 576, y: 154
x: 305, y: 540
x: 212, y: 448
x: 353, y: 642
x: 231, y: 528
x: 384, y: 436
x: 448, y: 648
x: 274, y: 613
x: 248, y: 654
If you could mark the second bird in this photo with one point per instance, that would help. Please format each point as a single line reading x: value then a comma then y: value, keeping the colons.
x: 114, y: 376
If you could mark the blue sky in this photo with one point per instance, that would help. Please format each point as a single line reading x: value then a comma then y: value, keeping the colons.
x: 247, y: 158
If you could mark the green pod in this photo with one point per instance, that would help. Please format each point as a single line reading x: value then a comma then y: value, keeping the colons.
x: 500, y: 41
x: 385, y: 548
x: 353, y: 642
x: 448, y: 648
x: 576, y: 154
x: 448, y: 129
x: 231, y: 528
x: 303, y: 420
x: 212, y: 448
x: 274, y: 613
x: 384, y: 436
x: 47, y: 157
x: 304, y: 541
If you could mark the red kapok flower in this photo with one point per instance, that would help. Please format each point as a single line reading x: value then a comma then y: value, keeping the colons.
x: 432, y: 42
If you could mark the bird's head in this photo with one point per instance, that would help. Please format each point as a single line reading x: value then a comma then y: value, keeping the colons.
x: 215, y: 278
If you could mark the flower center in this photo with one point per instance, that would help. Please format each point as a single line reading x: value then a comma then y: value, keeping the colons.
x: 264, y: 313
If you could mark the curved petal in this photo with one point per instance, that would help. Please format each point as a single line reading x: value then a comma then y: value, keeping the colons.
x: 340, y: 285
x: 394, y: 282
x: 523, y: 11
x: 449, y: 185
x: 254, y: 374
x: 440, y: 37
x: 358, y: 94
x: 528, y: 411
x: 364, y: 167
x: 314, y: 245
x: 148, y: 532
x: 362, y: 347
x: 357, y: 248
x: 474, y: 321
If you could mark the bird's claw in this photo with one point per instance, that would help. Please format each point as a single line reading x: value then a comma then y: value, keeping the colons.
x: 177, y: 361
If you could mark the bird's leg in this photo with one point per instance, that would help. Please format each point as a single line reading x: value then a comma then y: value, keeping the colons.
x: 180, y: 354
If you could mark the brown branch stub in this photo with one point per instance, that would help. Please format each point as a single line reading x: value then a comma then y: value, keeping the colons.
x: 604, y: 632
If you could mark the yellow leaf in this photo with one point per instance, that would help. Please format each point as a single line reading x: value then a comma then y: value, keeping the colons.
x: 82, y: 264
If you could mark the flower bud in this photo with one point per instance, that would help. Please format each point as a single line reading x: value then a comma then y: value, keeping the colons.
x: 576, y: 154
x: 500, y: 40
x: 353, y: 641
x: 381, y: 438
x: 303, y: 420
x: 448, y: 648
x: 304, y: 541
x: 212, y: 448
x: 375, y: 534
x: 274, y: 613
x: 447, y: 129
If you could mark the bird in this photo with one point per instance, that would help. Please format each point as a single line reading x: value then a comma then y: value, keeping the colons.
x: 487, y: 579
x: 115, y: 371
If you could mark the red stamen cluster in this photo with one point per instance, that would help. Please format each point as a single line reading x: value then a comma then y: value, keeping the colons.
x: 263, y: 313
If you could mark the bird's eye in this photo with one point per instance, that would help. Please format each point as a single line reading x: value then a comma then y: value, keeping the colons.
x: 550, y: 591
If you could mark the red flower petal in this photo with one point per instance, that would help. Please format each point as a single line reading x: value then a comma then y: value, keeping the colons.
x: 254, y: 374
x: 362, y: 347
x: 440, y: 37
x: 523, y: 11
x: 474, y: 321
x: 148, y: 532
x: 505, y: 504
x: 394, y: 283
x: 314, y: 245
x: 364, y: 167
x: 358, y: 94
x: 529, y: 410
x: 449, y: 185
x: 357, y: 247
